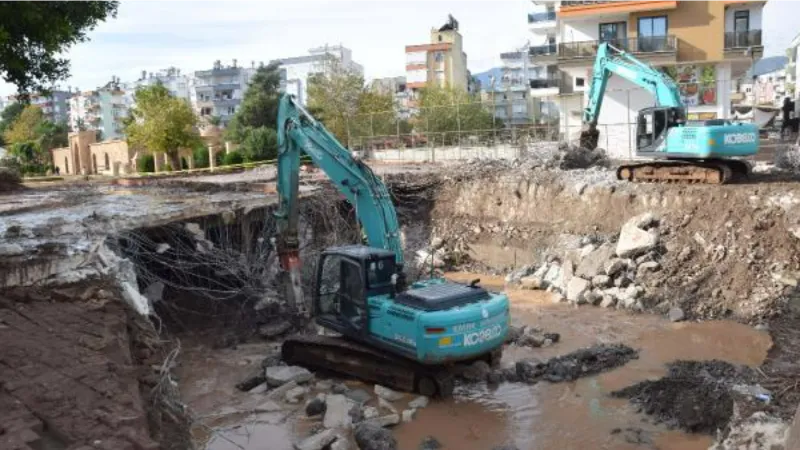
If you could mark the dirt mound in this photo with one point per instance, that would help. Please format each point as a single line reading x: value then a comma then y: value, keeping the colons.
x: 9, y: 180
x: 580, y: 363
x: 695, y: 396
x: 574, y: 157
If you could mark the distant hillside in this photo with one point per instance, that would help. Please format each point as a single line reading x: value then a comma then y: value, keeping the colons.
x: 767, y: 65
x: 485, y: 77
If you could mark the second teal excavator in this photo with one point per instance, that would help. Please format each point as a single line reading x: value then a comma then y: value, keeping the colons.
x: 401, y: 336
x: 678, y: 150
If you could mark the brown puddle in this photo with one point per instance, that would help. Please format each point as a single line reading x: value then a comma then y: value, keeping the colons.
x: 576, y: 415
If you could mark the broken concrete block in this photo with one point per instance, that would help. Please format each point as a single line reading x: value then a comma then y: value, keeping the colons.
x: 280, y: 375
x: 162, y: 247
x: 419, y: 402
x: 593, y: 297
x: 359, y: 396
x: 645, y: 221
x: 576, y: 288
x: 553, y: 276
x: 374, y: 437
x: 530, y: 282
x: 647, y: 267
x: 676, y: 314
x: 317, y: 441
x: 295, y: 394
x: 601, y: 281
x: 608, y: 301
x: 383, y: 404
x: 274, y: 330
x: 281, y: 391
x: 341, y: 443
x: 634, y: 241
x: 384, y: 421
x: 337, y: 412
x: 370, y: 412
x: 594, y: 263
x: 408, y: 415
x: 387, y: 394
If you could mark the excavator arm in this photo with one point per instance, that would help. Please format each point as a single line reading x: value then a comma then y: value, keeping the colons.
x: 611, y: 60
x: 299, y: 132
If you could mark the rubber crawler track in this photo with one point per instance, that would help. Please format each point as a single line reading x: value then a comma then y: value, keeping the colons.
x: 685, y: 172
x: 366, y: 363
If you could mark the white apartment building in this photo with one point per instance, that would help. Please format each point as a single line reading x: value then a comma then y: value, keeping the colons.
x: 54, y: 106
x: 171, y: 78
x: 295, y: 71
x: 793, y: 72
x: 218, y: 92
x: 102, y: 109
x: 703, y: 55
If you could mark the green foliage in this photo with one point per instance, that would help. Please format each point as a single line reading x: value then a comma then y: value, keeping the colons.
x: 234, y: 157
x: 161, y: 123
x: 52, y: 135
x: 146, y: 163
x: 260, y: 144
x: 23, y: 129
x: 200, y: 156
x: 447, y: 110
x: 30, y: 157
x: 34, y: 36
x: 7, y: 117
x: 333, y: 98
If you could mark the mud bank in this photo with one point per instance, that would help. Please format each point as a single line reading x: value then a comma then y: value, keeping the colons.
x: 729, y: 251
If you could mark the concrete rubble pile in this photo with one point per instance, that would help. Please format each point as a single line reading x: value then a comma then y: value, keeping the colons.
x: 601, y: 273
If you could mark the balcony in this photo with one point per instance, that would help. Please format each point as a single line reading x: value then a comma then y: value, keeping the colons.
x: 742, y: 39
x: 542, y: 20
x: 545, y: 83
x: 542, y: 50
x: 574, y: 9
x: 652, y: 46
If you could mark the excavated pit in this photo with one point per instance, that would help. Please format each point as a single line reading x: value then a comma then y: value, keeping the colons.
x: 210, y: 278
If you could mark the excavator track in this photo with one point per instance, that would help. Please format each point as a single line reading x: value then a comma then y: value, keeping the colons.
x: 685, y: 172
x: 347, y: 357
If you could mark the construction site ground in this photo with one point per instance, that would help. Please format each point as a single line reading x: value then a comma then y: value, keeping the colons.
x: 81, y: 366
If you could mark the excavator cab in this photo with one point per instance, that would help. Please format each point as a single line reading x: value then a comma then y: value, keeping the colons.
x: 653, y: 125
x: 346, y: 277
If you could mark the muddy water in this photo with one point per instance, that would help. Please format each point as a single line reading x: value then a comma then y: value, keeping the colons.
x: 576, y: 415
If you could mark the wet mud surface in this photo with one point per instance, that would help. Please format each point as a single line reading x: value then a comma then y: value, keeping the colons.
x: 572, y: 414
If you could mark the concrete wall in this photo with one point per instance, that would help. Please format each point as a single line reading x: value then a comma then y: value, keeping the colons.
x: 107, y: 153
x: 62, y: 159
x: 438, y: 154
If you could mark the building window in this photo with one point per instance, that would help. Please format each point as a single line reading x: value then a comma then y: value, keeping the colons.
x: 652, y: 33
x: 741, y: 21
x: 580, y: 81
x: 614, y: 33
x: 440, y: 38
x: 438, y: 57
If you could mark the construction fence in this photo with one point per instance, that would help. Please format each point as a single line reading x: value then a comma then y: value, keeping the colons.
x: 504, y: 121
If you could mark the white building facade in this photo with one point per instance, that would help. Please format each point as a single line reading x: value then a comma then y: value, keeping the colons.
x: 295, y: 71
x: 219, y: 92
x: 103, y: 109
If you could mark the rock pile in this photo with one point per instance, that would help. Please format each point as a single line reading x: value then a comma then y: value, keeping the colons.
x: 601, y: 273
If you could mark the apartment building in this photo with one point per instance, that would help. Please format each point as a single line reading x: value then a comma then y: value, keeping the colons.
x: 793, y: 72
x: 442, y: 61
x: 55, y: 105
x: 396, y: 87
x: 704, y: 45
x: 218, y: 92
x: 171, y: 78
x: 295, y: 71
x: 103, y: 109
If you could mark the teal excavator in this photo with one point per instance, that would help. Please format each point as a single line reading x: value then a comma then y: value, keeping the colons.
x: 677, y: 149
x: 402, y: 336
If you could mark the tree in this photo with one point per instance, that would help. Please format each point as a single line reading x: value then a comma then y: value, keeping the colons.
x: 447, y: 110
x: 33, y: 36
x: 7, y: 117
x: 24, y: 128
x: 333, y: 98
x: 161, y: 123
x: 253, y: 126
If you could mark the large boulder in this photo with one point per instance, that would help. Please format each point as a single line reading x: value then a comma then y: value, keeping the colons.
x: 634, y: 240
x: 373, y: 437
x: 387, y: 394
x: 280, y: 375
x: 337, y: 412
x: 595, y: 262
x: 577, y: 288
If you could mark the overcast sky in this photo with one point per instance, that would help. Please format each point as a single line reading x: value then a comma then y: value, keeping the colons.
x: 192, y: 34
